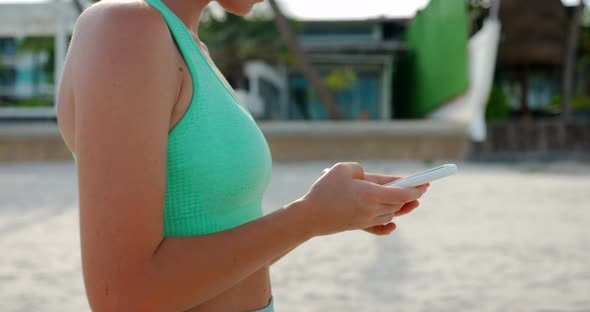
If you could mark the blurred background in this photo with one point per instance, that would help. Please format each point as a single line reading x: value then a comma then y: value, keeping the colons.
x: 500, y: 87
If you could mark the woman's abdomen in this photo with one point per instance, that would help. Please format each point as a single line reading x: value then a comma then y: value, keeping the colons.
x: 250, y: 294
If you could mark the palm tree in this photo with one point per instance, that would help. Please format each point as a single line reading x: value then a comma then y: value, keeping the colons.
x: 232, y: 41
x: 304, y: 65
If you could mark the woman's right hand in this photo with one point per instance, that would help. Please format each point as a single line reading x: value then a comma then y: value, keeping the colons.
x: 341, y: 200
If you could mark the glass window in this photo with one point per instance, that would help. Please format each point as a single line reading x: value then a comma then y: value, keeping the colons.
x: 272, y: 100
x: 8, y: 46
x: 7, y: 77
x: 543, y: 87
x: 357, y: 94
x: 26, y: 72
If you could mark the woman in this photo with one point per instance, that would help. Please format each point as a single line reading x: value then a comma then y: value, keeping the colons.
x: 172, y: 170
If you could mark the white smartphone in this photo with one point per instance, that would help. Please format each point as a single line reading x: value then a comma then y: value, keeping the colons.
x: 425, y: 176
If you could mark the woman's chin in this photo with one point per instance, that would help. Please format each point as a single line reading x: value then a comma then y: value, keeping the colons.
x: 240, y: 11
x: 240, y: 8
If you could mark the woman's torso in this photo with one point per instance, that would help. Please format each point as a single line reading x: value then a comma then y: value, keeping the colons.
x: 253, y: 292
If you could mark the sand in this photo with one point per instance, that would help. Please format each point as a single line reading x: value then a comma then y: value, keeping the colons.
x: 500, y: 237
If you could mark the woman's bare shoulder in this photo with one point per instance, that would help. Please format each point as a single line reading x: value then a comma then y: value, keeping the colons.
x: 120, y: 15
x: 130, y: 28
x: 121, y: 39
x: 121, y: 59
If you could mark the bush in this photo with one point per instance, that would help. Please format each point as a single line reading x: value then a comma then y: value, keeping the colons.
x: 579, y: 102
x: 497, y: 107
x: 34, y: 102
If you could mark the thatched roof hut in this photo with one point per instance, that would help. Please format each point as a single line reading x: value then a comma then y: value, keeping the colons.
x: 533, y: 32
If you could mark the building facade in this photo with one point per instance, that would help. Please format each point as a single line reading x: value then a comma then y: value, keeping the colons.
x: 23, y: 74
x: 356, y: 60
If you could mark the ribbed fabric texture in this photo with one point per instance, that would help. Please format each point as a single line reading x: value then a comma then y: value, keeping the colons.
x: 218, y: 161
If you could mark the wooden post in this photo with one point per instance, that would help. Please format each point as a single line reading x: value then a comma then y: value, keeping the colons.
x: 569, y: 61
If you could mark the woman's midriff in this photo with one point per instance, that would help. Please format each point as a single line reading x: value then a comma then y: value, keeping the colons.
x: 251, y: 294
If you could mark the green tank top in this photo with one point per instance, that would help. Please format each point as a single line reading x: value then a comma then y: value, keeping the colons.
x: 218, y: 161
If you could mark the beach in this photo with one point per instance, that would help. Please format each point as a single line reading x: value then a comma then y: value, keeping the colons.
x: 495, y: 237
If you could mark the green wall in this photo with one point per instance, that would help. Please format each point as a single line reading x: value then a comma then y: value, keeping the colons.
x: 435, y: 67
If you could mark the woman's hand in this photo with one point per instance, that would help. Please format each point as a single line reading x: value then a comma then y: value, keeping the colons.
x: 345, y: 198
x: 385, y: 229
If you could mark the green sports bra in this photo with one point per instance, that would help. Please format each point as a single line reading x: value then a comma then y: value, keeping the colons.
x: 218, y: 161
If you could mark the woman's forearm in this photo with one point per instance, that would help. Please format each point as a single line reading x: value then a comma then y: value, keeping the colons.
x: 187, y: 271
x: 281, y: 256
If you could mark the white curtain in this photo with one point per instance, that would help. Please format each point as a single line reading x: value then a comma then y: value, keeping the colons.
x: 469, y: 108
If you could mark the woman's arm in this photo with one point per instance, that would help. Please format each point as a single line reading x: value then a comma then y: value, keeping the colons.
x: 199, y: 267
x: 125, y: 82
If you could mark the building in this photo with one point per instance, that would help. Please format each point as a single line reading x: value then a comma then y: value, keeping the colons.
x: 23, y: 74
x: 530, y: 59
x: 356, y: 59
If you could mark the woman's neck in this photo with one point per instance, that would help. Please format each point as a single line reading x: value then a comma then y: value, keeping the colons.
x: 189, y: 11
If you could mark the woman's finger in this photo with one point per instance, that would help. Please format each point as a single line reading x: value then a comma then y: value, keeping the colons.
x: 383, y: 219
x: 407, y: 208
x: 397, y: 209
x: 388, y: 208
x: 382, y: 229
x: 411, y: 205
x: 380, y: 179
x: 392, y: 194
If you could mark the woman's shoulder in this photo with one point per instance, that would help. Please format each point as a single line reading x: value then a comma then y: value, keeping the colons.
x: 120, y: 34
x: 122, y: 49
x: 135, y: 21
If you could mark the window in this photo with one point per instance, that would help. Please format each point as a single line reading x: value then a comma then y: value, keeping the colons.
x: 357, y: 93
x: 7, y: 77
x: 272, y: 100
x: 8, y: 46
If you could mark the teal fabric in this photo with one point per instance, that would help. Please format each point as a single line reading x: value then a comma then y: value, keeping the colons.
x: 218, y: 161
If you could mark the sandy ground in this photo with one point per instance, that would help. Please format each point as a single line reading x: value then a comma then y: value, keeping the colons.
x: 496, y: 237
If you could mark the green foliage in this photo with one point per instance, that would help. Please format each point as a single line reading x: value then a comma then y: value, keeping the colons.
x: 579, y: 102
x: 497, y: 107
x: 341, y: 79
x: 233, y: 40
x: 36, y: 44
x: 34, y: 102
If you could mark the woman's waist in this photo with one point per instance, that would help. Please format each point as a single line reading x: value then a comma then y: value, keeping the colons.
x: 251, y: 294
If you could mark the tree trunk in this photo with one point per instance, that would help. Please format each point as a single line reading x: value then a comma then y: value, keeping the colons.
x: 569, y: 61
x: 306, y: 68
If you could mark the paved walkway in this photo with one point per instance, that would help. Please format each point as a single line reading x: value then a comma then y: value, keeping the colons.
x: 493, y: 238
